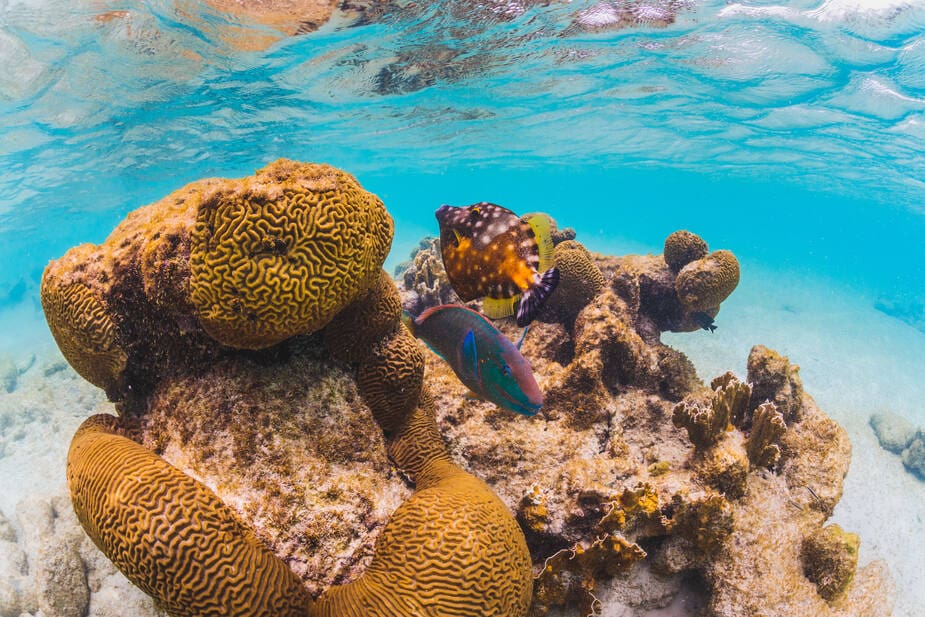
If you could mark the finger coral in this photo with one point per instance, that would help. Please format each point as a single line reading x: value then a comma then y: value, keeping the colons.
x: 767, y: 428
x: 706, y: 422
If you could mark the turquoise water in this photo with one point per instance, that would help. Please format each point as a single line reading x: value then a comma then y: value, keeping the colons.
x: 792, y: 134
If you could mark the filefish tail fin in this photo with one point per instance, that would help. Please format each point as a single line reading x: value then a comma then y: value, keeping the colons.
x: 541, y: 224
x: 534, y: 297
x: 496, y: 308
x: 408, y: 320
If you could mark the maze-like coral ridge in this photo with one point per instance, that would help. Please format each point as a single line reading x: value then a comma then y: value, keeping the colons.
x: 84, y: 330
x: 282, y: 253
x: 452, y: 549
x: 170, y: 535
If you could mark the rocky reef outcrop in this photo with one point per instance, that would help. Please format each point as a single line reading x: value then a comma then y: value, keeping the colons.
x: 641, y: 485
x: 273, y: 405
x: 899, y: 436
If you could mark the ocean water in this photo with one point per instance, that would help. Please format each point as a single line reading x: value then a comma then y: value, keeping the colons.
x: 790, y: 133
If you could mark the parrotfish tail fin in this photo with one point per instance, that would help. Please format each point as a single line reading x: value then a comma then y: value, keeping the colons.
x: 534, y: 297
x: 541, y: 224
x: 496, y: 308
x: 523, y: 335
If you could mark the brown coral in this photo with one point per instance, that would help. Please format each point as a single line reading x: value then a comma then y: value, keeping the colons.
x: 774, y: 379
x: 767, y: 428
x: 706, y: 422
x: 830, y: 559
x: 703, y: 284
x: 579, y: 280
x: 683, y: 247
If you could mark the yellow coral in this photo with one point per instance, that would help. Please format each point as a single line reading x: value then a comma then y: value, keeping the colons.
x: 282, y: 253
x: 704, y: 283
x: 81, y: 323
x: 830, y: 559
x: 767, y: 427
x: 170, y: 535
x: 683, y: 247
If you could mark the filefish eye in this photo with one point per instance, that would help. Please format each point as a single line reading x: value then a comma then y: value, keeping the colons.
x: 475, y: 212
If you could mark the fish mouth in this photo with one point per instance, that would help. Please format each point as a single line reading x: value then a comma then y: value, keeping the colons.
x: 443, y: 211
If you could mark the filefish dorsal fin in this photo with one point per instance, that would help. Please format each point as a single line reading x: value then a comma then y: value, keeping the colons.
x: 496, y: 308
x: 534, y: 297
x: 541, y: 224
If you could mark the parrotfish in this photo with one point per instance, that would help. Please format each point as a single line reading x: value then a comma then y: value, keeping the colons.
x: 481, y: 356
x: 490, y: 252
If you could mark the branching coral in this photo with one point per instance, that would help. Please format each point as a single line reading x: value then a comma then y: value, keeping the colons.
x: 706, y: 422
x: 767, y: 428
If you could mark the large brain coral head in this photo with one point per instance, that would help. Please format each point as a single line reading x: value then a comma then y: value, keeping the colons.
x: 282, y: 252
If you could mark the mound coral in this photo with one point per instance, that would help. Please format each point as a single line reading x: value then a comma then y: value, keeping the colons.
x: 683, y: 247
x: 199, y: 279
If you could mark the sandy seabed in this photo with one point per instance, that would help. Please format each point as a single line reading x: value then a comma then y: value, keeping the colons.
x: 854, y: 361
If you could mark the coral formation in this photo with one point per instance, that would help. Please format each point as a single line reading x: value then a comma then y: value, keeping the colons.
x: 423, y: 279
x: 703, y: 284
x: 683, y: 247
x: 579, y: 280
x: 609, y: 492
x: 245, y: 264
x: 899, y: 436
x: 894, y: 432
x: 155, y: 522
x: 830, y: 558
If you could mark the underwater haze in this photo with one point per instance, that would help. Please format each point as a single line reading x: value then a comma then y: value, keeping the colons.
x: 791, y: 133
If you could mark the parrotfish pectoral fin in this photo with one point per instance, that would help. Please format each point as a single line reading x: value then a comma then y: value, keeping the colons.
x: 470, y: 354
x: 534, y: 297
x: 541, y: 224
x: 523, y: 336
x: 496, y: 308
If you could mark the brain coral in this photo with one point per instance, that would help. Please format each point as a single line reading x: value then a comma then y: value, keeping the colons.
x: 703, y: 284
x: 283, y: 252
x: 579, y: 279
x: 82, y: 325
x: 170, y: 535
x: 683, y: 247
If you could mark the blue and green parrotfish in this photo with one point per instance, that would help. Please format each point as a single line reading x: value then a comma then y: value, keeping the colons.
x: 489, y: 252
x: 481, y: 356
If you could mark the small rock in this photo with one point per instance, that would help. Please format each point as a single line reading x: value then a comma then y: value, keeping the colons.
x: 61, y: 582
x: 914, y: 455
x: 894, y: 432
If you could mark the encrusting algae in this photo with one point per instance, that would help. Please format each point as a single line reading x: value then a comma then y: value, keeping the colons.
x: 292, y: 419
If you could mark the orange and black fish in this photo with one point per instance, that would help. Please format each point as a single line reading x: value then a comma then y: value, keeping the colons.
x: 490, y: 252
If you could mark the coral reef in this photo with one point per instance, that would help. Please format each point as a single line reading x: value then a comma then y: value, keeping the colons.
x: 211, y: 281
x: 579, y: 281
x: 683, y: 247
x: 606, y: 477
x: 638, y: 485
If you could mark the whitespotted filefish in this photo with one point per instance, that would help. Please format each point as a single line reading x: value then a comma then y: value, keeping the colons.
x: 490, y: 252
x: 481, y: 356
